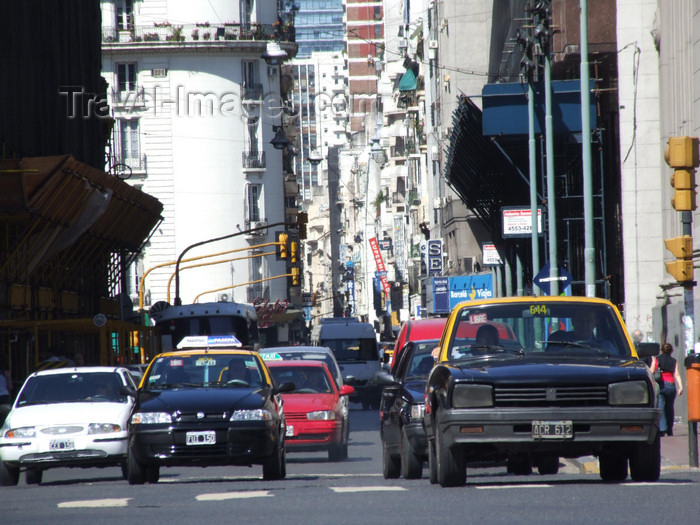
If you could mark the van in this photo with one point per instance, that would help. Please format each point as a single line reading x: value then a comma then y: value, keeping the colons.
x: 355, y: 347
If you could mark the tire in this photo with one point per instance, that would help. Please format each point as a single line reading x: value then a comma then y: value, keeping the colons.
x: 125, y: 469
x: 8, y: 475
x: 275, y: 467
x: 135, y: 472
x: 451, y: 467
x: 432, y: 462
x: 411, y: 464
x: 645, y: 461
x: 33, y: 476
x: 391, y: 469
x: 548, y: 465
x: 335, y: 452
x: 613, y: 466
x: 153, y: 474
x: 519, y: 465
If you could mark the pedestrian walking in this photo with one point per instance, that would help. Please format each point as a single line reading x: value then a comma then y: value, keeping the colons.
x: 5, y: 382
x: 669, y: 387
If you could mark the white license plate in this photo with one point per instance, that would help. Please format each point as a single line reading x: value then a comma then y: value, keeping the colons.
x: 552, y: 430
x: 201, y: 438
x: 61, y: 444
x: 290, y: 431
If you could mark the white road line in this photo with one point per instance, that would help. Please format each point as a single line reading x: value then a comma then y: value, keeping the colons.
x: 95, y: 503
x: 524, y: 486
x: 234, y: 495
x: 378, y: 488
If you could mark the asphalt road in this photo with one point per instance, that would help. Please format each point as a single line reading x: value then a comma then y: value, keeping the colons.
x: 349, y: 492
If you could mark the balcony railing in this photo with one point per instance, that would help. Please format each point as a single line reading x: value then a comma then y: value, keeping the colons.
x: 254, y: 160
x: 130, y: 97
x: 251, y: 91
x: 199, y: 33
x: 129, y: 163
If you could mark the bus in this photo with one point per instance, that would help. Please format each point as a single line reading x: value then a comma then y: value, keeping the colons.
x: 215, y: 318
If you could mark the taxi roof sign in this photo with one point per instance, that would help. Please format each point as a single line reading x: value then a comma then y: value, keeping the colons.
x: 210, y: 341
x: 271, y: 356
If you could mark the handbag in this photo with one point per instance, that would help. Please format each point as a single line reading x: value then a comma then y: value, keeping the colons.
x: 657, y: 372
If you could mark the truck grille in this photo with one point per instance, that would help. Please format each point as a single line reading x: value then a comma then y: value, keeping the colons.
x: 579, y: 395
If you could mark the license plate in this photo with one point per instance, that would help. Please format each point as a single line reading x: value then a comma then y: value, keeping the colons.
x: 290, y: 431
x: 61, y: 444
x: 552, y: 430
x: 201, y: 438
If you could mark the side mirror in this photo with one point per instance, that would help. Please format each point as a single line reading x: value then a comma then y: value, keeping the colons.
x: 349, y: 380
x: 127, y: 391
x: 285, y: 387
x: 384, y: 379
x: 648, y: 349
x: 346, y: 390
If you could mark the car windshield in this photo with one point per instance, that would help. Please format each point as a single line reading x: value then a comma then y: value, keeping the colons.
x: 308, y: 356
x: 540, y: 327
x: 94, y: 387
x: 201, y: 370
x: 308, y: 379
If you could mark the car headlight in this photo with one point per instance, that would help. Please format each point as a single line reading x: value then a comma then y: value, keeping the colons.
x: 22, y: 432
x: 628, y: 393
x: 417, y: 411
x: 103, y: 428
x: 151, y: 418
x: 259, y: 414
x: 323, y: 415
x: 472, y: 396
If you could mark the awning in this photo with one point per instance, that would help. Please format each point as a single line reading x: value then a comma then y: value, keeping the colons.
x: 408, y: 81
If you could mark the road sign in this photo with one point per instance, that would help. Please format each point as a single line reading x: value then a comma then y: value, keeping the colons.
x: 543, y: 279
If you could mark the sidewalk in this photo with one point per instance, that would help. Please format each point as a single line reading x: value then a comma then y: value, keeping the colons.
x: 674, y: 453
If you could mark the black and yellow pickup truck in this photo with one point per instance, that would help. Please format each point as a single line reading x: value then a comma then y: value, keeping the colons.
x: 565, y: 382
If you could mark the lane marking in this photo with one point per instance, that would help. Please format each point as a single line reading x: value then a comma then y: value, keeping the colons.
x: 377, y: 488
x: 524, y: 486
x: 222, y: 496
x: 95, y: 503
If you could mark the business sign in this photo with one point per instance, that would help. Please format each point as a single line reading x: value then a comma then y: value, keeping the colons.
x: 434, y: 255
x: 544, y: 280
x: 517, y: 222
x: 384, y: 244
x: 441, y: 295
x: 491, y: 255
x: 470, y: 288
x: 374, y: 246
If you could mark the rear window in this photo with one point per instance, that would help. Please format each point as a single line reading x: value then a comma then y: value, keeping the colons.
x: 349, y: 350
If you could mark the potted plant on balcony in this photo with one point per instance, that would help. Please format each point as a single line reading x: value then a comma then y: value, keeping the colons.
x: 195, y: 34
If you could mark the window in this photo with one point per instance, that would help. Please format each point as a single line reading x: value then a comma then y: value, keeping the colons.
x: 250, y: 74
x: 254, y: 200
x: 126, y: 76
x: 125, y: 14
x: 252, y: 129
x: 129, y: 141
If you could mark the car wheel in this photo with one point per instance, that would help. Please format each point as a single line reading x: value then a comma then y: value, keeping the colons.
x: 519, y: 465
x: 391, y: 469
x: 33, y: 476
x: 8, y: 475
x: 411, y: 464
x: 274, y: 467
x: 346, y: 441
x: 451, y: 467
x: 613, y: 466
x: 335, y: 452
x: 153, y: 474
x: 135, y: 472
x: 645, y: 461
x: 432, y: 462
x: 125, y: 469
x: 547, y: 465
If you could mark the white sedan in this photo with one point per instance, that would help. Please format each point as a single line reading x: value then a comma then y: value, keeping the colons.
x: 67, y: 417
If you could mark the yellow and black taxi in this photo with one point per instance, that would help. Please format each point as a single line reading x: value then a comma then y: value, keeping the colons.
x: 208, y: 403
x: 566, y: 382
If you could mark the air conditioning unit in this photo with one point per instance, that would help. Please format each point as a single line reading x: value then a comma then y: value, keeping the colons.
x: 159, y: 73
x: 432, y: 44
x: 259, y: 224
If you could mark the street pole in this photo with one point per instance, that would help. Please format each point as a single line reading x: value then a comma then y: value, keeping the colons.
x: 589, y: 243
x: 689, y: 322
x: 551, y: 196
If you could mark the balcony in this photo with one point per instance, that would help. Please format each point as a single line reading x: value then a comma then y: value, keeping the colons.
x: 251, y: 92
x: 254, y: 160
x: 131, y: 98
x: 128, y: 165
x: 204, y: 32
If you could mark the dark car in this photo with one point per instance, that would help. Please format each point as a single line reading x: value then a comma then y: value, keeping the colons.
x: 203, y: 407
x: 569, y: 385
x: 404, y: 446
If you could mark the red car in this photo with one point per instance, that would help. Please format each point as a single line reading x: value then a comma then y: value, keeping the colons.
x: 316, y: 417
x: 417, y: 330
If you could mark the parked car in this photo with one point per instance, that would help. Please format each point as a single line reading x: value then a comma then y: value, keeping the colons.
x: 207, y: 403
x: 404, y: 445
x: 66, y: 417
x: 542, y: 395
x: 314, y: 353
x: 316, y: 417
x: 417, y: 330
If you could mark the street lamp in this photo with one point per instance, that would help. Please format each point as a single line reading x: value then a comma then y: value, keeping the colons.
x: 279, y: 141
x: 377, y: 152
x: 314, y: 157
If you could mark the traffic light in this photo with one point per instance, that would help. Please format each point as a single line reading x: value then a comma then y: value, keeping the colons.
x: 296, y: 280
x: 282, y: 239
x: 302, y: 219
x: 293, y: 251
x: 682, y: 248
x: 681, y: 154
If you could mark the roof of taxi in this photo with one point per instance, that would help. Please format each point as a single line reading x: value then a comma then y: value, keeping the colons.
x: 305, y: 362
x: 536, y: 299
x: 210, y: 351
